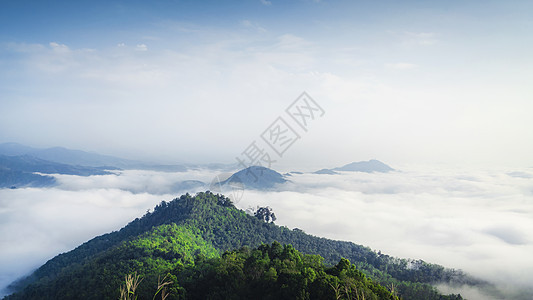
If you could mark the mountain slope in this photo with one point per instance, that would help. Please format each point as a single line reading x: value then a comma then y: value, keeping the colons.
x: 256, y: 177
x: 164, y: 248
x: 277, y: 272
x: 220, y: 224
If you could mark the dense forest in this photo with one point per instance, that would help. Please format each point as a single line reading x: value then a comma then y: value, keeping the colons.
x: 269, y: 272
x: 194, y: 238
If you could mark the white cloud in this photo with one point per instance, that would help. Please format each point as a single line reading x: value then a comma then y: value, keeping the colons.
x: 292, y: 42
x: 141, y: 47
x: 252, y: 25
x: 266, y: 2
x: 401, y: 66
x: 135, y: 181
x: 422, y: 38
x: 24, y: 47
x: 59, y: 48
x: 422, y: 35
x: 413, y: 39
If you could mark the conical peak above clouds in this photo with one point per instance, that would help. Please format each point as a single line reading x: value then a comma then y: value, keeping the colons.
x: 257, y: 177
x: 370, y: 166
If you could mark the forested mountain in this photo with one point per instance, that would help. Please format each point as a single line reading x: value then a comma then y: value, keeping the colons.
x: 185, y: 238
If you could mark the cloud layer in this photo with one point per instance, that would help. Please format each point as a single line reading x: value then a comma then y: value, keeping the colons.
x: 478, y: 221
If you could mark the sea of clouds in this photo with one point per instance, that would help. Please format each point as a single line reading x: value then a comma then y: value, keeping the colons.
x: 479, y: 221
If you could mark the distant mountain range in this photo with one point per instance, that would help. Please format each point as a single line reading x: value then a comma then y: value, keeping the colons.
x: 370, y: 166
x: 19, y: 165
x: 19, y: 171
x: 15, y: 179
x: 262, y: 178
x: 28, y: 163
x: 82, y: 158
x: 66, y: 156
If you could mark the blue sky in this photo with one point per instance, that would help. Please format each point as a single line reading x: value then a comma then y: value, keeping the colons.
x: 437, y: 82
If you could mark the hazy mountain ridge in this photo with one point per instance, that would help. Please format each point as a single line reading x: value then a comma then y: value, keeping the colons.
x: 91, y: 159
x: 27, y: 163
x: 369, y: 166
x: 15, y: 179
x: 66, y: 156
x: 226, y: 228
x: 18, y: 171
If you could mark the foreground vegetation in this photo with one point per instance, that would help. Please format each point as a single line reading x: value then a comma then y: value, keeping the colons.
x: 267, y: 272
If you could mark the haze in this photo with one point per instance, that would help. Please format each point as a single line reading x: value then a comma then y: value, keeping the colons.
x: 190, y: 81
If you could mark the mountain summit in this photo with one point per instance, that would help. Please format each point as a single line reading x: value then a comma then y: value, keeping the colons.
x: 257, y: 177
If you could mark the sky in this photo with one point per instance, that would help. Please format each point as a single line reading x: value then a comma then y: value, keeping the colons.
x: 410, y: 82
